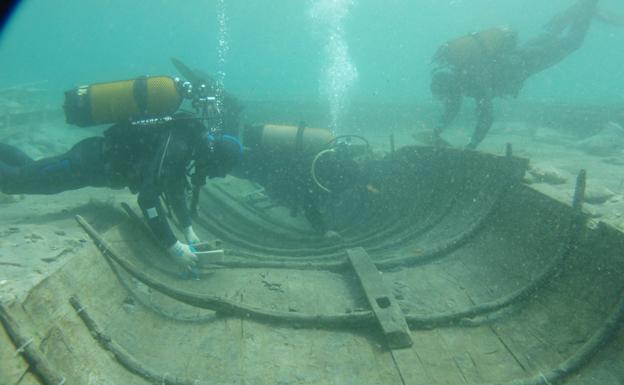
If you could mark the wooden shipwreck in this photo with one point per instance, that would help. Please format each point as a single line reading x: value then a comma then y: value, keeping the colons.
x: 451, y: 271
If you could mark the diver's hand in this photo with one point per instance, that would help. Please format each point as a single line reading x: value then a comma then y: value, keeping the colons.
x: 439, y: 142
x: 183, y: 254
x: 436, y: 139
x: 190, y: 235
x: 472, y: 145
x: 332, y: 235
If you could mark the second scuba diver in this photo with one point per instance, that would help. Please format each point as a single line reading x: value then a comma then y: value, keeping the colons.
x: 300, y: 167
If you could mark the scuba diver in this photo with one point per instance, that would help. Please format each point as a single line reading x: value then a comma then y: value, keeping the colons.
x: 490, y: 64
x: 300, y: 167
x: 152, y: 156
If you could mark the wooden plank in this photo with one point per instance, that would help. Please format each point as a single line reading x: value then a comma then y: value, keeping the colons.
x: 480, y: 355
x: 458, y: 343
x: 410, y: 367
x: 274, y: 354
x: 428, y: 362
x: 452, y: 355
x: 490, y: 360
x: 12, y: 366
x: 381, y: 300
x: 524, y: 343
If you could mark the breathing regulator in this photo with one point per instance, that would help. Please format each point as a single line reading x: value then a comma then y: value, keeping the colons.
x: 340, y: 149
x: 202, y: 97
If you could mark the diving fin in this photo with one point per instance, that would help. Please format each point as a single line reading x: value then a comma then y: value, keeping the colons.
x: 206, y: 79
x: 196, y: 77
x: 611, y: 18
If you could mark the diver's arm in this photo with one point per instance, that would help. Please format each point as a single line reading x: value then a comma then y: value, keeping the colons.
x: 485, y: 116
x: 452, y: 104
x: 313, y: 213
x: 174, y: 182
x: 173, y: 178
x: 176, y: 195
x: 316, y: 220
x: 149, y: 202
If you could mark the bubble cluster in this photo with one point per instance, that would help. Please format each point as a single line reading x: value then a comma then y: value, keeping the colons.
x: 222, y: 52
x: 339, y: 73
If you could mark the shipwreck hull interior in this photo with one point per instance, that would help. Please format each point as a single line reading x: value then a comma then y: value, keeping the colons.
x: 450, y: 271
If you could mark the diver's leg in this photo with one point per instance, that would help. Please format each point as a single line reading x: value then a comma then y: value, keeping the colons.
x: 313, y: 213
x: 562, y: 21
x: 11, y: 159
x: 579, y: 26
x: 13, y: 156
x: 550, y: 48
x: 7, y: 172
x: 81, y: 166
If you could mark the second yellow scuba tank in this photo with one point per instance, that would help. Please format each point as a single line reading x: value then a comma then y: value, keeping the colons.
x: 473, y: 49
x: 329, y: 161
x: 125, y: 100
x: 287, y: 139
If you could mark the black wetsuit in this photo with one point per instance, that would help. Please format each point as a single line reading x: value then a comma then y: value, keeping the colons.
x: 286, y: 179
x: 506, y: 73
x: 151, y: 160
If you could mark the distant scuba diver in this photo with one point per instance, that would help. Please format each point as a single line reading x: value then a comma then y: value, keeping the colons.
x: 152, y: 156
x: 490, y: 64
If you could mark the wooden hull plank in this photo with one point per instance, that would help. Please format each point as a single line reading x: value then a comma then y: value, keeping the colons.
x: 381, y: 300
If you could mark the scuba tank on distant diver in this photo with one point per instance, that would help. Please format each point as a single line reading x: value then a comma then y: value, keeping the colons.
x: 473, y: 49
x: 123, y: 101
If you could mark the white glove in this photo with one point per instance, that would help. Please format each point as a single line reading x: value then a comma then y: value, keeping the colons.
x: 190, y: 235
x: 183, y: 255
x: 332, y: 235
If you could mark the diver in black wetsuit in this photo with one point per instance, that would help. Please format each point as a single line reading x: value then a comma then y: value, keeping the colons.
x: 502, y: 70
x: 285, y: 171
x: 151, y: 159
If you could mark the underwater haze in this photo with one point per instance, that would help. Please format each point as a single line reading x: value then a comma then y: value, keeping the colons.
x: 313, y: 214
x: 282, y: 49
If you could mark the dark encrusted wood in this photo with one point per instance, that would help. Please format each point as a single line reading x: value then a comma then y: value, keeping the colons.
x: 381, y: 300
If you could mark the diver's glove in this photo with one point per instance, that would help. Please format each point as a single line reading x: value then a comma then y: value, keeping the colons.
x: 436, y: 138
x: 332, y: 235
x: 472, y: 145
x: 184, y: 255
x: 190, y: 235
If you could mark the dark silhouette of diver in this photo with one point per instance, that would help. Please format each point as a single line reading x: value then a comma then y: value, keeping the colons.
x: 490, y: 64
x: 152, y: 159
x: 285, y: 170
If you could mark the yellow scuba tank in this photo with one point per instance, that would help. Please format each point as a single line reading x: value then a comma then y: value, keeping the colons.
x: 473, y: 49
x: 125, y: 100
x: 287, y: 139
